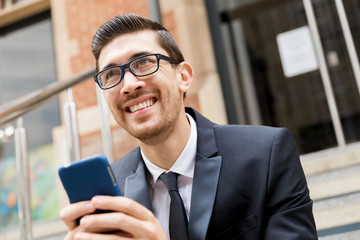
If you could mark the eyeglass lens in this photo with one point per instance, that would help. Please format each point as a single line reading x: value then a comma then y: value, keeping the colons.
x: 143, y: 66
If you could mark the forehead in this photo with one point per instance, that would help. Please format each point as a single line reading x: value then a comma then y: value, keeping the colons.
x: 122, y: 48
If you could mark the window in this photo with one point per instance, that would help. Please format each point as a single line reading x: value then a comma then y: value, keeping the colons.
x: 27, y: 63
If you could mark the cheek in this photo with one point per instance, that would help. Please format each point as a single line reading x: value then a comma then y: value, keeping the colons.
x: 174, y: 82
x: 173, y: 90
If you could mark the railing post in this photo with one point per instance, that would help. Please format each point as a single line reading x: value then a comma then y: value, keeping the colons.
x: 23, y: 181
x: 155, y: 11
x: 324, y: 72
x: 105, y: 126
x: 349, y: 41
x: 72, y: 135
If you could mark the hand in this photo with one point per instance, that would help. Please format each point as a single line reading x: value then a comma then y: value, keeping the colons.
x: 129, y: 220
x: 71, y: 213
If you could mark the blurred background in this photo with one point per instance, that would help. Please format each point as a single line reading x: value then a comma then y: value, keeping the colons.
x: 282, y: 63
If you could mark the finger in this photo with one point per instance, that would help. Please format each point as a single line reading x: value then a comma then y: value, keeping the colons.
x: 109, y: 222
x: 128, y: 216
x: 124, y: 205
x: 120, y: 221
x: 72, y: 212
x: 71, y: 234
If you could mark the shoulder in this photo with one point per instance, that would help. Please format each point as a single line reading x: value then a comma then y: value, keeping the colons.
x: 240, y: 137
x: 250, y: 129
x: 233, y: 132
x: 251, y: 133
x: 254, y: 143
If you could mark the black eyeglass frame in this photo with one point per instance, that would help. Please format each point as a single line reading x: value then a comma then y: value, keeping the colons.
x: 127, y: 65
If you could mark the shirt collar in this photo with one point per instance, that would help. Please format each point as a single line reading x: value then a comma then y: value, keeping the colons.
x: 185, y: 164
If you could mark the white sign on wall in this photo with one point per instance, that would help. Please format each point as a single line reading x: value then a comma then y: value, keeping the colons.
x: 297, y: 52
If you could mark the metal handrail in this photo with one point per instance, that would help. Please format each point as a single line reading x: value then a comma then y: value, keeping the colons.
x: 18, y: 107
x: 15, y: 110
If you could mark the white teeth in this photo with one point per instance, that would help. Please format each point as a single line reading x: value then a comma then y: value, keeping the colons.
x: 140, y: 106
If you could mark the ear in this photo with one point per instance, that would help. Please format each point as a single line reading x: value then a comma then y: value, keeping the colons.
x: 185, y: 76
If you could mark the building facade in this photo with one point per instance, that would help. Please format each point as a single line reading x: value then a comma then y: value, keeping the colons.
x: 279, y: 63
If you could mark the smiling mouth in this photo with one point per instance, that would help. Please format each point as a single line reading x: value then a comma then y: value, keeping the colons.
x: 140, y: 106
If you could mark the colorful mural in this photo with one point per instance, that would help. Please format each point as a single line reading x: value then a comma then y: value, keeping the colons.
x: 44, y: 198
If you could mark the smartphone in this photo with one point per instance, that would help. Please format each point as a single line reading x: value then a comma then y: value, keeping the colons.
x: 87, y: 178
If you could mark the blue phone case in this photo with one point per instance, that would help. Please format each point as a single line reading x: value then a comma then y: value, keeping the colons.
x: 87, y: 178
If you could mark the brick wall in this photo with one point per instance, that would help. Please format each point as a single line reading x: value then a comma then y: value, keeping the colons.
x: 83, y: 18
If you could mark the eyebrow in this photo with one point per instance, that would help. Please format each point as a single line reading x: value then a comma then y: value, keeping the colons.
x: 139, y: 54
x: 132, y: 57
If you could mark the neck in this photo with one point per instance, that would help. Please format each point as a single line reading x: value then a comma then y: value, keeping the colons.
x: 165, y: 153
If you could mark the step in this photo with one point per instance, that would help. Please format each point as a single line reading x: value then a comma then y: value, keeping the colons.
x: 338, y: 217
x: 337, y: 211
x: 331, y: 159
x: 333, y: 178
x: 350, y: 235
x: 334, y: 183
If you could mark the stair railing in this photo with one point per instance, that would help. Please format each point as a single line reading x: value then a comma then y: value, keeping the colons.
x: 15, y: 109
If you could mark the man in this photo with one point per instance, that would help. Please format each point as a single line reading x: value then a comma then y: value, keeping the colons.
x: 235, y: 182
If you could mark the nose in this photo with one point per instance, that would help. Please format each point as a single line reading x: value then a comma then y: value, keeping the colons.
x: 131, y: 83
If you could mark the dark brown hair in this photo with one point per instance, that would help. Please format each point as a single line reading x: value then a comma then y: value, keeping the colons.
x: 129, y: 23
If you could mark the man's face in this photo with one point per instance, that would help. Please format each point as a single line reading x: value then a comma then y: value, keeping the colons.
x: 147, y: 107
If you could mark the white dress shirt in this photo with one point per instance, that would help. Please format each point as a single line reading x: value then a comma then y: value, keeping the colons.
x: 184, y: 166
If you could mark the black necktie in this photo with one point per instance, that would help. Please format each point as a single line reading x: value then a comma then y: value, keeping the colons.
x: 178, y: 220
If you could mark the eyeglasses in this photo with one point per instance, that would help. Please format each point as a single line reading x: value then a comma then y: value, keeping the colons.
x: 142, y: 66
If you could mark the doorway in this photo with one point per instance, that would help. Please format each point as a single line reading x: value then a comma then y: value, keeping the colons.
x: 276, y: 71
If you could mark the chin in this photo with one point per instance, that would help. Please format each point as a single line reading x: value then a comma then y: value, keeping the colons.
x: 153, y: 134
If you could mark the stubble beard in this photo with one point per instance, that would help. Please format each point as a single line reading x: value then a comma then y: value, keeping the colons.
x: 157, y: 132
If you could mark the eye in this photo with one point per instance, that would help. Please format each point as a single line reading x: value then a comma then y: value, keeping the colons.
x: 112, y: 73
x: 110, y: 76
x: 141, y: 62
x: 144, y: 62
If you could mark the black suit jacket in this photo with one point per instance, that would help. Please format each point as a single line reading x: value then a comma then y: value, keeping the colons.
x: 248, y: 184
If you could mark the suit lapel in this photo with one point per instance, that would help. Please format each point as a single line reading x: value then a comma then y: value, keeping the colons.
x: 136, y: 186
x: 206, y: 177
x: 205, y: 183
